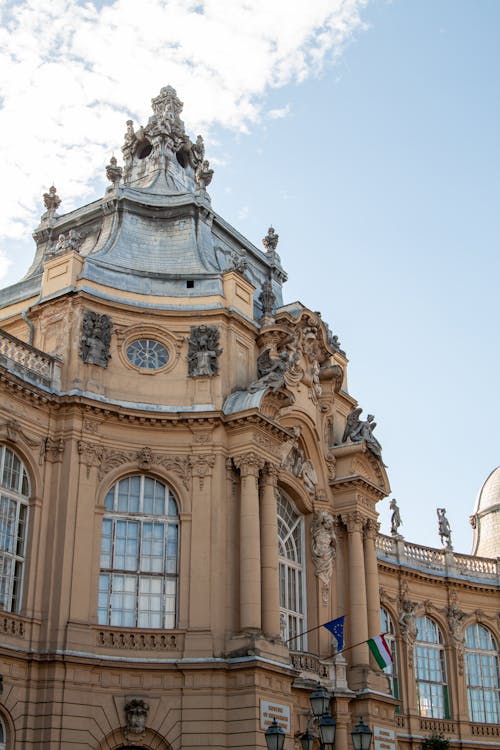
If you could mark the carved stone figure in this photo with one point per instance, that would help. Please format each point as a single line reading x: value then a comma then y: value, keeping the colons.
x: 407, y: 620
x: 308, y: 474
x: 136, y: 713
x: 95, y: 339
x: 203, y: 352
x: 113, y: 171
x: 444, y: 528
x: 294, y: 461
x: 271, y: 371
x: 455, y: 621
x: 203, y: 175
x: 395, y: 517
x: 267, y: 298
x: 357, y: 430
x: 323, y: 545
x: 238, y: 261
x: 270, y: 241
x: 51, y: 200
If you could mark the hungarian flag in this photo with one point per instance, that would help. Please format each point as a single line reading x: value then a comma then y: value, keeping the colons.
x: 380, y: 650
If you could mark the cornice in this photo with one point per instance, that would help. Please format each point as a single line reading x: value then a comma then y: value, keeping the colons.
x: 422, y: 575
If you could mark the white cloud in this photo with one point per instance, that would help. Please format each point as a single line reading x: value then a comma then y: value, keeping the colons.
x: 72, y: 72
x: 278, y: 114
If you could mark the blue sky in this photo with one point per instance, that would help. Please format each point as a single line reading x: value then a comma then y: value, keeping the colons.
x: 367, y: 135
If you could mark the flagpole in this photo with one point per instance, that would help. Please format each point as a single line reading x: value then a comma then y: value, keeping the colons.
x: 348, y: 648
x: 317, y: 627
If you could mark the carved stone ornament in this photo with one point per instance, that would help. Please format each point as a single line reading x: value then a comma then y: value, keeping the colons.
x: 164, y: 141
x: 407, y: 621
x: 136, y: 714
x: 51, y: 201
x: 93, y: 455
x: 67, y: 242
x: 95, y: 339
x: 238, y: 261
x: 323, y: 547
x: 113, y: 171
x: 51, y: 450
x: 271, y: 371
x: 357, y: 430
x: 201, y: 467
x: 203, y: 351
x: 267, y: 298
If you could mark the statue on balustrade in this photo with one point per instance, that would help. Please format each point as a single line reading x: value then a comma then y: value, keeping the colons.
x: 444, y: 528
x: 395, y: 517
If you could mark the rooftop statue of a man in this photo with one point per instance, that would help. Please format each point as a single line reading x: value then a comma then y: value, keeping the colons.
x: 444, y: 528
x: 395, y: 517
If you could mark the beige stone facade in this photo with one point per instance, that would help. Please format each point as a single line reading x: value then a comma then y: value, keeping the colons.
x: 199, y: 491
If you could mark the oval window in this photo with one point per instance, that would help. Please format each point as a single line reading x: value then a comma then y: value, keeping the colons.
x: 147, y: 354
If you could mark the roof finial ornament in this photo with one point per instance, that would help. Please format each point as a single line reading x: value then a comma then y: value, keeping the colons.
x: 270, y: 241
x: 52, y: 203
x: 113, y: 171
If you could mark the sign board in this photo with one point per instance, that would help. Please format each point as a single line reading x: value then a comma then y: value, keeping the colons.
x: 384, y: 738
x: 270, y: 710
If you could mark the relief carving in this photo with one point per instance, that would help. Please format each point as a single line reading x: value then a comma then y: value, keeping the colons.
x: 201, y: 466
x: 95, y: 339
x: 408, y: 625
x: 136, y: 713
x: 51, y: 450
x: 203, y: 351
x: 271, y: 371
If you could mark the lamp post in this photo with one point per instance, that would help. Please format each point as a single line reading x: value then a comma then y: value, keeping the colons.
x: 275, y: 736
x: 361, y: 736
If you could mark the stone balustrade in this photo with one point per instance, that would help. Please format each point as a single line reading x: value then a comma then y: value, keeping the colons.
x: 441, y: 562
x: 27, y: 362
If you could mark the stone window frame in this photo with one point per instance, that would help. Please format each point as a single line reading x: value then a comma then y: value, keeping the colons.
x: 292, y: 571
x: 482, y: 664
x: 169, y: 340
x: 431, y: 671
x: 126, y: 571
x: 388, y: 627
x: 3, y: 734
x: 15, y: 494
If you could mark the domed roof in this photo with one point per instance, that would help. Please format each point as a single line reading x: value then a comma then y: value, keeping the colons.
x: 489, y: 494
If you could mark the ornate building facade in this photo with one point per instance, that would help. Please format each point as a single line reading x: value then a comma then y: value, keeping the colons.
x: 189, y: 491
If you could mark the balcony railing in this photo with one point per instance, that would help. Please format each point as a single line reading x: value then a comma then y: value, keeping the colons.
x: 441, y: 561
x: 27, y: 362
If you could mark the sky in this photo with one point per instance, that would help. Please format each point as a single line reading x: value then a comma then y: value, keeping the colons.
x: 365, y: 131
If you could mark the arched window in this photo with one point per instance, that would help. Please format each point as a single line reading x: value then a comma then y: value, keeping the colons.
x: 291, y: 572
x: 139, y: 555
x: 430, y: 670
x: 14, y: 498
x: 387, y: 626
x: 482, y: 669
x: 3, y: 735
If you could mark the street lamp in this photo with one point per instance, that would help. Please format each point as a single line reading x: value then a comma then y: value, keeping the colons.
x: 327, y: 727
x: 307, y: 740
x: 275, y: 736
x: 361, y: 736
x: 320, y: 701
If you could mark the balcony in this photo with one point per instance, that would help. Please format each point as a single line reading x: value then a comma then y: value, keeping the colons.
x: 29, y: 363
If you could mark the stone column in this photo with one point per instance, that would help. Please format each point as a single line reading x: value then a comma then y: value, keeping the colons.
x: 269, y: 551
x: 371, y: 576
x: 358, y: 620
x: 250, y: 577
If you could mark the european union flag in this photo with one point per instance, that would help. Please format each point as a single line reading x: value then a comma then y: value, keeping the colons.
x: 336, y: 628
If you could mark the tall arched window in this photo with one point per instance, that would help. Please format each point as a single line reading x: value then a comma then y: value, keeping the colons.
x: 291, y: 572
x: 430, y: 670
x: 14, y: 498
x: 139, y: 555
x: 482, y: 669
x: 3, y: 735
x: 387, y: 626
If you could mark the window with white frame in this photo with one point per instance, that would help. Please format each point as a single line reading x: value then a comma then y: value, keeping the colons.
x: 291, y: 572
x: 14, y: 499
x: 387, y: 626
x: 139, y: 555
x: 430, y: 670
x: 482, y: 670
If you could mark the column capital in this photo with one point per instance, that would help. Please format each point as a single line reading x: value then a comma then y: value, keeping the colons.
x: 354, y: 521
x: 270, y: 474
x: 371, y: 529
x: 249, y: 464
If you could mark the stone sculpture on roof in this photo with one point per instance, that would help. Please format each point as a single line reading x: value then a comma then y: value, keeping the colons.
x: 395, y: 517
x: 271, y: 371
x: 444, y: 528
x: 357, y: 430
